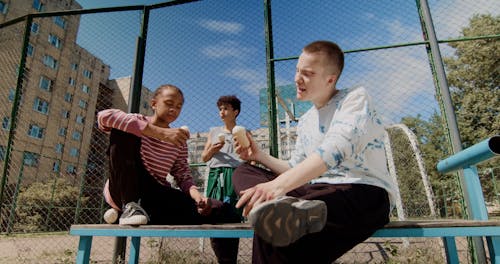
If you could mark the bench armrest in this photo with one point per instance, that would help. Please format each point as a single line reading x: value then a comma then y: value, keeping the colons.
x: 479, y: 152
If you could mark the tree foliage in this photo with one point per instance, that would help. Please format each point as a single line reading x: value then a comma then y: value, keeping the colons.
x: 47, y: 206
x: 472, y: 73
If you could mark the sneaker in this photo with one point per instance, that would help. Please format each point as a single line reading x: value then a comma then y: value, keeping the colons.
x: 133, y: 214
x: 285, y: 219
x: 110, y: 216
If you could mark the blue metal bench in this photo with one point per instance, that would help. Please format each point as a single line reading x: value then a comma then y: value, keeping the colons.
x: 477, y: 226
x: 448, y: 229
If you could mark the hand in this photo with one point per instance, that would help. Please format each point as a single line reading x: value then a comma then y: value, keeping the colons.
x: 260, y: 193
x: 250, y: 153
x: 204, y: 206
x: 214, y: 148
x: 202, y: 203
x: 176, y: 136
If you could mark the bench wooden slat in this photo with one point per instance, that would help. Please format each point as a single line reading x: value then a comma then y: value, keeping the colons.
x: 441, y: 223
x: 412, y: 228
x: 245, y: 226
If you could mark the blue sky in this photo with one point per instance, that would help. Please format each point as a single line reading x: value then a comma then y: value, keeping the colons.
x: 218, y: 47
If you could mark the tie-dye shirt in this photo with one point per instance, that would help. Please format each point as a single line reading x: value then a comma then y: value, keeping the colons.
x: 348, y: 135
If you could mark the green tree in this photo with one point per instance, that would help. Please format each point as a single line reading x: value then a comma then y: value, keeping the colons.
x: 47, y: 206
x: 472, y: 74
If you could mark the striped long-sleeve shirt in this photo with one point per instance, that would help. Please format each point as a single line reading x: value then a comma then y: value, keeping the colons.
x: 159, y: 158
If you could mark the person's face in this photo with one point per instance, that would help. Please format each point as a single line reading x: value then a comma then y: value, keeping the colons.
x: 227, y: 113
x: 167, y: 105
x: 313, y: 80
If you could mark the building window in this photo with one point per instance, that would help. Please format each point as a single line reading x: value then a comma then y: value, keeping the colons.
x: 30, y: 159
x: 56, y: 166
x: 74, y: 66
x: 65, y: 114
x: 54, y: 41
x: 3, y: 7
x: 49, y: 61
x: 45, y: 83
x: 80, y: 119
x: 82, y: 104
x: 87, y: 74
x: 71, y: 169
x: 85, y: 89
x: 35, y: 131
x: 6, y: 122
x: 73, y: 152
x: 77, y: 135
x: 35, y: 28
x: 12, y: 94
x: 38, y: 5
x: 71, y: 81
x: 30, y: 50
x: 62, y: 131
x: 41, y: 106
x: 59, y: 148
x: 60, y: 22
x: 68, y: 97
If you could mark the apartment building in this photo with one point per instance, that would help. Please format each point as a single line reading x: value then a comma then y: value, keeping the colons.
x: 57, y: 95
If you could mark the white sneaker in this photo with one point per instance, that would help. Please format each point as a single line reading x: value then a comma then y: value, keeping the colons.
x: 133, y: 214
x: 285, y: 219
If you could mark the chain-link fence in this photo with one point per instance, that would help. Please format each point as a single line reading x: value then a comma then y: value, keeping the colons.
x: 61, y: 64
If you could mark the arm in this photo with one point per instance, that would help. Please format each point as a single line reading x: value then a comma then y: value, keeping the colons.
x: 117, y: 119
x: 210, y: 149
x: 176, y: 136
x: 139, y: 125
x: 311, y: 168
x: 253, y: 153
x: 182, y: 174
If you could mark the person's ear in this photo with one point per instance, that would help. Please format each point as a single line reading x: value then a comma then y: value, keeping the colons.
x: 153, y: 104
x: 237, y: 112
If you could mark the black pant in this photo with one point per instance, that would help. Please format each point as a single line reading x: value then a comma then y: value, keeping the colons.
x: 129, y: 181
x: 355, y: 212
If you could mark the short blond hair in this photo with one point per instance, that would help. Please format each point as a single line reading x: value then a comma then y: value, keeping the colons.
x: 334, y: 54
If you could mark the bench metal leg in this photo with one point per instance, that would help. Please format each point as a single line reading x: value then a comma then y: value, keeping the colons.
x: 135, y: 246
x: 450, y: 247
x: 119, y: 250
x: 84, y: 246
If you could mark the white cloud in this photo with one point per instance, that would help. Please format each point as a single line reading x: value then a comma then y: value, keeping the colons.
x: 225, y: 27
x: 450, y: 16
x: 252, y: 80
x: 398, y: 79
x: 226, y: 49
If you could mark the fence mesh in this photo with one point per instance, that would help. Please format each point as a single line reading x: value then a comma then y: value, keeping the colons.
x: 54, y: 162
